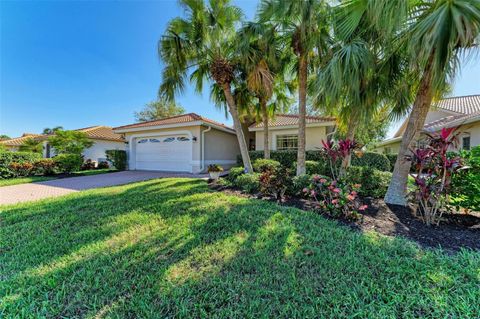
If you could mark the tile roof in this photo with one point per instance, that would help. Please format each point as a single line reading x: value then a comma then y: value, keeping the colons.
x: 292, y: 119
x: 17, y: 141
x: 451, y: 121
x: 460, y: 104
x: 179, y: 119
x: 101, y: 133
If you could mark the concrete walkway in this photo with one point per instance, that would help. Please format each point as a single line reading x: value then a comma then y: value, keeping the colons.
x: 58, y: 187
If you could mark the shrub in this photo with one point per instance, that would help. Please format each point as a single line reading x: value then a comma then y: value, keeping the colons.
x: 88, y: 165
x: 286, y: 158
x: 118, y: 158
x: 261, y: 165
x: 45, y: 166
x: 69, y: 142
x: 392, y: 158
x: 334, y: 198
x: 275, y: 181
x: 466, y: 183
x: 248, y: 182
x: 433, y: 174
x: 214, y: 168
x: 7, y: 157
x: 373, y: 182
x: 68, y: 163
x: 234, y: 173
x: 103, y: 165
x: 315, y: 167
x: 372, y: 160
x: 21, y: 169
x: 298, y: 184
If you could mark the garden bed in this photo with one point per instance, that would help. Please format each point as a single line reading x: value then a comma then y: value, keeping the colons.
x: 456, y: 231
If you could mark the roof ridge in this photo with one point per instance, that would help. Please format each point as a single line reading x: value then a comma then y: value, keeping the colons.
x: 307, y: 116
x: 460, y: 96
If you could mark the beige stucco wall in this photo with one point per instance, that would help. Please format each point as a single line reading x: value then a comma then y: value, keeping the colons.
x: 394, y: 148
x: 314, y: 137
x: 220, y: 148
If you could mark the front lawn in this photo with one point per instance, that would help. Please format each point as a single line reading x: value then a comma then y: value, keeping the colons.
x: 33, y: 179
x: 173, y: 248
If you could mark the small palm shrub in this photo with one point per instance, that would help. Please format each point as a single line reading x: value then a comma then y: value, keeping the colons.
x: 68, y: 163
x: 249, y: 182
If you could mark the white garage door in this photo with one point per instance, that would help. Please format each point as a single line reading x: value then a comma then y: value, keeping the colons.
x: 164, y: 153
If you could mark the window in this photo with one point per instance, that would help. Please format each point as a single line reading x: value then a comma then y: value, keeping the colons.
x: 142, y: 141
x: 183, y: 139
x: 169, y: 139
x: 466, y: 143
x: 154, y: 140
x: 287, y: 142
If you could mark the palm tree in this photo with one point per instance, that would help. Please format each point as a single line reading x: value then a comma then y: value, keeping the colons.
x: 201, y: 46
x: 438, y: 33
x: 302, y: 25
x: 31, y: 145
x: 49, y: 131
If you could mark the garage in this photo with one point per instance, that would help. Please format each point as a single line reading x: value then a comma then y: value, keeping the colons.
x: 164, y: 153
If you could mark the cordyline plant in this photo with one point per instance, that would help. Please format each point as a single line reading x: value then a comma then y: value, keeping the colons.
x: 337, y: 152
x: 433, y: 171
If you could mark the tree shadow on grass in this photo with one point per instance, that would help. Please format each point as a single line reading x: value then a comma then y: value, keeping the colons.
x: 172, y: 248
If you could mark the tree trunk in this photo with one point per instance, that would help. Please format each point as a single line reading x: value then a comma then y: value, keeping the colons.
x: 397, y: 190
x: 352, y: 125
x: 302, y: 112
x: 238, y: 127
x: 266, y: 146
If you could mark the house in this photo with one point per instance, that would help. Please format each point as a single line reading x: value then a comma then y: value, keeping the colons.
x: 283, y: 132
x: 184, y: 143
x: 103, y: 137
x: 13, y: 144
x: 461, y: 111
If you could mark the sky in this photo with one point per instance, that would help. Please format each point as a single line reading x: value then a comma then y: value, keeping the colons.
x: 82, y: 63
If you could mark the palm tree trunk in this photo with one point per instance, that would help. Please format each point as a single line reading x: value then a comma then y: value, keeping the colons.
x: 266, y: 146
x: 397, y: 190
x: 238, y: 127
x: 302, y: 112
x: 352, y: 125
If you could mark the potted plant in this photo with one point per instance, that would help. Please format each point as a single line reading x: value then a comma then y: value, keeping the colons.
x: 214, y: 170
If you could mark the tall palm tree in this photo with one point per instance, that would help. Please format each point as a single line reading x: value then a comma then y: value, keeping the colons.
x: 52, y: 130
x: 201, y: 47
x: 31, y: 145
x: 303, y: 26
x: 438, y: 33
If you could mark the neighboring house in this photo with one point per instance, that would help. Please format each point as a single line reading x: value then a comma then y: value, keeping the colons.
x: 283, y: 132
x: 462, y: 112
x: 103, y: 139
x: 13, y: 144
x: 184, y: 143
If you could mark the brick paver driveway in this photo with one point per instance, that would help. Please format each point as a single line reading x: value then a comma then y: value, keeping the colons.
x: 58, y: 187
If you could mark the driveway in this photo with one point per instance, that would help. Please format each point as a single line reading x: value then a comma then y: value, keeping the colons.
x: 58, y: 187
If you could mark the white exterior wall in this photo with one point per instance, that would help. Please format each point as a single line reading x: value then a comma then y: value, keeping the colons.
x: 97, y: 151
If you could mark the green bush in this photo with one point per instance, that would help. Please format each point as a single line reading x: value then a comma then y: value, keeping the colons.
x: 373, y: 160
x: 118, y: 158
x: 392, y: 158
x: 7, y: 158
x: 374, y: 182
x: 103, y: 165
x: 249, y: 183
x: 298, y: 184
x: 68, y: 163
x: 234, y: 173
x: 45, y: 166
x: 287, y: 158
x: 315, y: 167
x: 466, y: 183
x: 21, y: 169
x: 261, y: 165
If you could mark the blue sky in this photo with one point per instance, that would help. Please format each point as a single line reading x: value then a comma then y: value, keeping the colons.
x: 83, y: 63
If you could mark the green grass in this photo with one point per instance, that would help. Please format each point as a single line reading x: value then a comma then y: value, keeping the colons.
x: 33, y: 179
x: 171, y: 248
x: 24, y: 180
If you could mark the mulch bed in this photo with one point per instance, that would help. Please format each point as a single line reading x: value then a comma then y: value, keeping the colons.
x: 456, y: 231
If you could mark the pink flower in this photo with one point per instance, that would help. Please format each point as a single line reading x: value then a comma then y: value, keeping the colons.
x: 337, y: 190
x: 350, y: 197
x: 323, y: 180
x: 312, y: 193
x: 335, y: 201
x: 363, y: 207
x: 305, y: 190
x: 354, y: 193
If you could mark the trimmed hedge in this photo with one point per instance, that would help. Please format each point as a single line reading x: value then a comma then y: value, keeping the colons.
x: 249, y: 183
x: 68, y: 163
x: 287, y: 158
x: 374, y: 182
x: 7, y: 158
x: 118, y: 158
x: 261, y: 165
x: 392, y: 158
